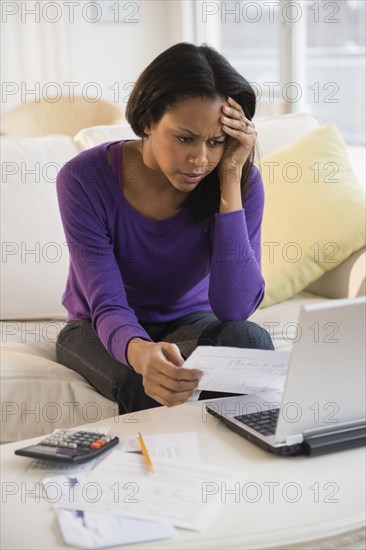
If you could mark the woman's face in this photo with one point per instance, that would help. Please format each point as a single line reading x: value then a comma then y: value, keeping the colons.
x: 187, y: 143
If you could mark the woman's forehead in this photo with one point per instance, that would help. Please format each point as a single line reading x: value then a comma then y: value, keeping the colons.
x: 196, y: 108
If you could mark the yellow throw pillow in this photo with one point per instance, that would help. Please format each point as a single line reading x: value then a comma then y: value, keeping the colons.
x: 314, y: 215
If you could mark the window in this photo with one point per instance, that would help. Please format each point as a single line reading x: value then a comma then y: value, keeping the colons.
x: 306, y: 55
x: 335, y: 65
x: 252, y: 46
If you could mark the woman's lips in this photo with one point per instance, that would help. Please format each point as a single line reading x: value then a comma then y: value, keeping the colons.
x: 192, y: 178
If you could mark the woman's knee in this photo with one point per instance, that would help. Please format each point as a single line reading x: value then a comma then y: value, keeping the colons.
x: 244, y: 334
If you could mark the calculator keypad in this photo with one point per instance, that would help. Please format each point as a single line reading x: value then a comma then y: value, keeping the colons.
x: 75, y: 440
x: 70, y: 446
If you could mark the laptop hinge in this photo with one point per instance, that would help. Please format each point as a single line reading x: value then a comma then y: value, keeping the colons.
x: 294, y: 439
x: 335, y: 441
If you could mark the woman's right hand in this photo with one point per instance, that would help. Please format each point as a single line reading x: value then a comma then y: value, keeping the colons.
x: 164, y: 377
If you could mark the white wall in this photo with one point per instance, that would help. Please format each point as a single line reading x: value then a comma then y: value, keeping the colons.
x: 45, y: 42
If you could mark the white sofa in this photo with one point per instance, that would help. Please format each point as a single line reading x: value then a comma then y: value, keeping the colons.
x: 37, y: 393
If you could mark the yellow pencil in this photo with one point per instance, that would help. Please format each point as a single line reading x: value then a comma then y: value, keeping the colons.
x: 145, y: 452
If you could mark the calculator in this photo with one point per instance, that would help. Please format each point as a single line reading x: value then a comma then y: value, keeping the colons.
x: 70, y: 446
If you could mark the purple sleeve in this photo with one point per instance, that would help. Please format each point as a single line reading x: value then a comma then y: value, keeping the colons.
x: 236, y: 282
x: 93, y: 262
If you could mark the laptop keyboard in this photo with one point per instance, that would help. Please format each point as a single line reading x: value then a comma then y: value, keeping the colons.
x: 263, y: 422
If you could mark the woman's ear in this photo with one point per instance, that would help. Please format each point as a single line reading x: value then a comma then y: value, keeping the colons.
x: 147, y: 130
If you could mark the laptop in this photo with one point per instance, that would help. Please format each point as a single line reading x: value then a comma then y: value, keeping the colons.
x: 322, y: 408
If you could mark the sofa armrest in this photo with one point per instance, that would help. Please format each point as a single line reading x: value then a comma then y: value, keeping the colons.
x: 345, y: 281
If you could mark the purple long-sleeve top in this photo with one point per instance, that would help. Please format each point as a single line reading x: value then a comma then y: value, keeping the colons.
x: 126, y: 269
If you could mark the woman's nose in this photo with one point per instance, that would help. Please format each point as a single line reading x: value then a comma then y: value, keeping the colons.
x: 199, y: 156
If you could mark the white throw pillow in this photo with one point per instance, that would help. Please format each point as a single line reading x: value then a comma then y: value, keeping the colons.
x: 35, y: 258
x: 90, y: 137
x: 279, y: 131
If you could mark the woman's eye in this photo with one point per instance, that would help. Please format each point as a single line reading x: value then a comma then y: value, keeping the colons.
x: 184, y: 139
x: 212, y: 143
x: 216, y: 143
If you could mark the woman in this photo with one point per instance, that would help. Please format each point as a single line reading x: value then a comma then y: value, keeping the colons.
x: 164, y: 234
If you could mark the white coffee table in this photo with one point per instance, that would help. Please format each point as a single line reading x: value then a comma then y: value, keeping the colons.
x: 316, y: 502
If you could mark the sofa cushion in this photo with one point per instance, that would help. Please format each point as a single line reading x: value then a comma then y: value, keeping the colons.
x: 281, y: 320
x: 37, y: 393
x: 34, y: 254
x: 346, y: 281
x: 314, y: 216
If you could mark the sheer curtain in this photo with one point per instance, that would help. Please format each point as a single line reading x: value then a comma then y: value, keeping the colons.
x: 34, y: 52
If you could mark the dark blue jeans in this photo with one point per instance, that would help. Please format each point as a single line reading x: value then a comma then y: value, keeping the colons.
x: 79, y: 348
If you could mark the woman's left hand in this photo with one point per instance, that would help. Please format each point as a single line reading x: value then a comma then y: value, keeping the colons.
x: 241, y: 139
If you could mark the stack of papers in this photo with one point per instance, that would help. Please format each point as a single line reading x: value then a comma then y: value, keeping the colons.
x: 120, y: 501
x: 175, y: 493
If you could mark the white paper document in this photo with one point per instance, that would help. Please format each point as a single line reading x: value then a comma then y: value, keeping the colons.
x: 93, y: 530
x: 172, y: 446
x: 174, y: 493
x: 237, y: 370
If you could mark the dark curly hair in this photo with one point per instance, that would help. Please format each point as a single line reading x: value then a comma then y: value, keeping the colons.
x: 182, y: 71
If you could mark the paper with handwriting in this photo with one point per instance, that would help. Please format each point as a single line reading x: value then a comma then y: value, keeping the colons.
x: 182, y: 494
x: 239, y: 370
x: 171, y: 446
